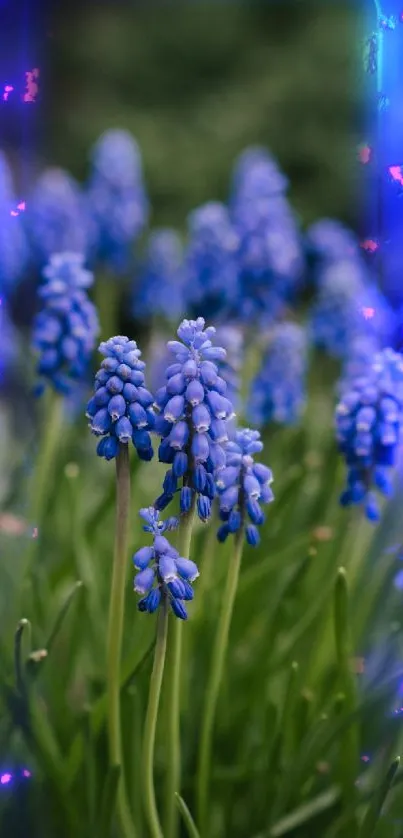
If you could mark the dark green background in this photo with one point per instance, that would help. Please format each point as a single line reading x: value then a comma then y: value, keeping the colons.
x: 197, y: 82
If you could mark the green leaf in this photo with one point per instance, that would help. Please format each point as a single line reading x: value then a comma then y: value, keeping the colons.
x: 109, y: 793
x: 349, y: 742
x: 305, y: 813
x: 371, y: 818
x: 187, y: 817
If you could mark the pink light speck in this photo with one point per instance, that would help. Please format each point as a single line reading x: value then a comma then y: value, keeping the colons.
x: 35, y: 532
x: 365, y: 758
x: 21, y: 206
x: 368, y: 313
x: 370, y: 245
x: 31, y: 86
x: 5, y: 779
x: 26, y: 773
x: 7, y: 90
x: 396, y: 174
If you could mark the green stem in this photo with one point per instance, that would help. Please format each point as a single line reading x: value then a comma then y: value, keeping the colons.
x: 173, y: 778
x: 206, y: 565
x: 151, y: 722
x: 106, y: 292
x: 219, y: 649
x: 115, y: 633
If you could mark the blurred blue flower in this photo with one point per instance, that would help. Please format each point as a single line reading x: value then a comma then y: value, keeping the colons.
x: 256, y: 174
x: 270, y: 257
x: 328, y: 241
x: 193, y: 419
x: 65, y: 330
x: 162, y: 573
x: 116, y: 198
x: 361, y: 351
x: 243, y: 485
x: 160, y: 288
x: 211, y: 265
x: 232, y: 339
x: 278, y: 390
x: 369, y: 422
x: 56, y: 218
x: 119, y: 411
x: 348, y: 304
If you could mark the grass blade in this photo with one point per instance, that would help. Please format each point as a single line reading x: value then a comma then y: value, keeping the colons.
x: 109, y: 794
x: 371, y: 818
x: 305, y: 813
x: 187, y: 817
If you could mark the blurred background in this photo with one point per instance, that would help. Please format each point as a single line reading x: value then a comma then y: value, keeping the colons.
x: 195, y: 82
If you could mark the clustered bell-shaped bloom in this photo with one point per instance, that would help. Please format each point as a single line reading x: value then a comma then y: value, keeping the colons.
x: 119, y: 411
x: 211, y: 266
x: 278, y: 391
x: 162, y: 573
x: 55, y: 217
x: 270, y: 252
x: 193, y: 419
x: 116, y: 197
x: 160, y: 290
x: 369, y: 424
x: 243, y: 486
x: 348, y: 304
x: 65, y: 330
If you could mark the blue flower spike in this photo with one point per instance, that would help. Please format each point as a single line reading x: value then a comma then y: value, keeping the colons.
x: 66, y: 328
x: 369, y: 423
x: 161, y: 572
x: 193, y: 413
x: 116, y: 198
x: 243, y: 486
x: 120, y: 410
x: 278, y: 390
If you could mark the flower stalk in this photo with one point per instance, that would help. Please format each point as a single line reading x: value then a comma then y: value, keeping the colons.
x: 173, y: 774
x: 151, y: 721
x: 115, y: 633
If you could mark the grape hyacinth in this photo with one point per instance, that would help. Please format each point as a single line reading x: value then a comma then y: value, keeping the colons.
x: 329, y: 241
x: 193, y: 414
x: 162, y: 572
x: 256, y: 174
x: 243, y: 485
x: 278, y: 391
x: 369, y: 423
x: 116, y: 197
x: 232, y: 338
x: 349, y: 304
x: 211, y: 266
x: 270, y: 257
x: 160, y: 290
x: 120, y: 408
x: 55, y: 217
x: 65, y: 330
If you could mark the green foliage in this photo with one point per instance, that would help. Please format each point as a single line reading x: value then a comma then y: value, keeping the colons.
x: 293, y: 714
